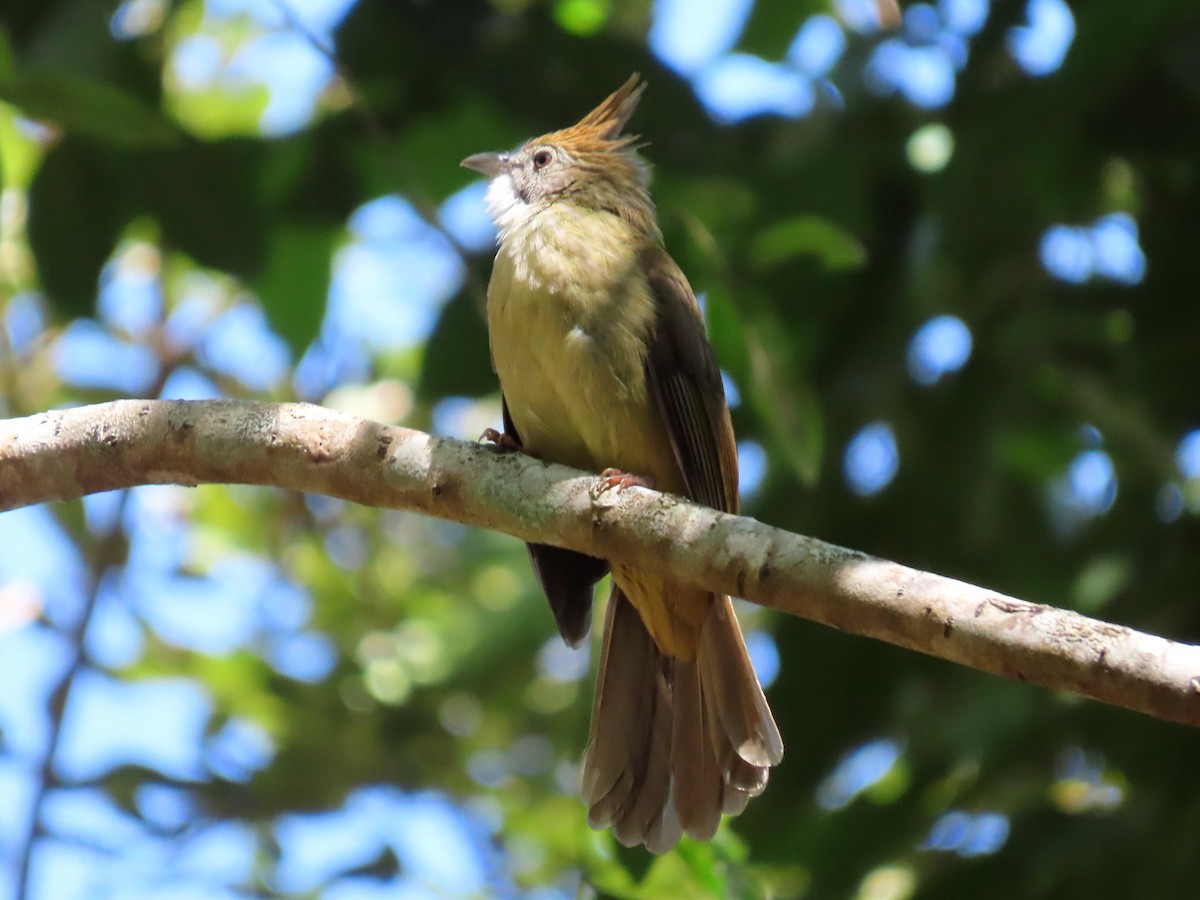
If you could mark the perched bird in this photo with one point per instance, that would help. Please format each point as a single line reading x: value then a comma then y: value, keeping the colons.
x: 604, y: 365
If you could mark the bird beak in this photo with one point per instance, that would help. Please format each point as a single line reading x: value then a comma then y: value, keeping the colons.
x: 489, y: 164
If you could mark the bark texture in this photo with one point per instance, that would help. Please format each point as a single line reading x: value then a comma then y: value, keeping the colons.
x: 64, y: 454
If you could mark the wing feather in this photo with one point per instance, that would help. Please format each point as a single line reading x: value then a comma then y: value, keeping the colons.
x: 686, y: 384
x: 568, y: 578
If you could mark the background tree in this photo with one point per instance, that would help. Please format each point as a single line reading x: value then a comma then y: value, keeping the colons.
x: 949, y: 270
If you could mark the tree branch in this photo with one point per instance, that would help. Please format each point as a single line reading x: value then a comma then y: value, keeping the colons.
x: 65, y: 454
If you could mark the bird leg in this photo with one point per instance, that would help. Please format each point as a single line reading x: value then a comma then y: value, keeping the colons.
x: 500, y: 440
x: 614, y: 478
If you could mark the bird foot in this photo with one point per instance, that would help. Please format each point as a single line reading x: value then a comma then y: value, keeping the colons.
x: 615, y: 478
x: 500, y: 440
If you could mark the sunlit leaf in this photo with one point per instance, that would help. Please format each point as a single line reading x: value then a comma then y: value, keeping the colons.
x: 19, y: 152
x: 213, y: 113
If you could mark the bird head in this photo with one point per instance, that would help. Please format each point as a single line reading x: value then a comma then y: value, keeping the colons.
x: 591, y: 164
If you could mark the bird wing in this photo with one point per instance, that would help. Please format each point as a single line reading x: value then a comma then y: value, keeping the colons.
x: 686, y: 385
x: 568, y: 578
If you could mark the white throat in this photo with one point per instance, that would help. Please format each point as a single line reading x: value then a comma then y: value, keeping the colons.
x: 507, y: 209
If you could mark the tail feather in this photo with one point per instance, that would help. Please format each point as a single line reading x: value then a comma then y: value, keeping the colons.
x: 665, y: 830
x: 693, y: 762
x: 674, y: 743
x: 643, y: 818
x: 622, y: 714
x: 747, y: 736
x: 742, y: 782
x: 737, y: 774
x: 744, y: 714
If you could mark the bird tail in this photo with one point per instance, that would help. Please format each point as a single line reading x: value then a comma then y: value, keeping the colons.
x: 674, y: 743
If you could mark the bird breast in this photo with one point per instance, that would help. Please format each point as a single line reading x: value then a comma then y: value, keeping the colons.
x: 570, y: 314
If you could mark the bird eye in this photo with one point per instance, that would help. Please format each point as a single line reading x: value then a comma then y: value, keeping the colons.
x: 542, y: 158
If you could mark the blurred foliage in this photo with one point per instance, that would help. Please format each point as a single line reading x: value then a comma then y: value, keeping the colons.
x: 821, y: 251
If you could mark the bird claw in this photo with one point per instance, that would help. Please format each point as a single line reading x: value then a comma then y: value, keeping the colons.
x: 500, y: 440
x: 614, y: 478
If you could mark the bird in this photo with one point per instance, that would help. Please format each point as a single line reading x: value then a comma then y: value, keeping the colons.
x: 604, y: 364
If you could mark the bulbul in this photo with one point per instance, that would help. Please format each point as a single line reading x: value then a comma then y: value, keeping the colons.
x: 604, y: 364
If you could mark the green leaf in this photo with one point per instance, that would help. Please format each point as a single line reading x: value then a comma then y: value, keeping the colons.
x: 1100, y: 581
x: 581, y: 17
x: 701, y: 862
x: 710, y: 208
x: 91, y: 108
x: 457, y: 358
x: 726, y: 334
x: 213, y: 113
x: 78, y: 204
x: 752, y: 346
x: 429, y: 151
x: 773, y: 24
x: 807, y: 235
x: 784, y: 400
x: 207, y: 197
x: 19, y: 152
x: 7, y: 65
x: 1038, y: 455
x: 295, y: 284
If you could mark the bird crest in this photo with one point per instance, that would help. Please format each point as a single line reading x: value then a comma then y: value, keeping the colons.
x: 599, y: 132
